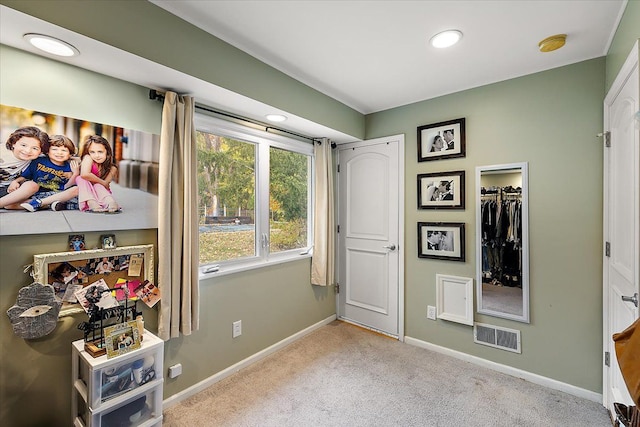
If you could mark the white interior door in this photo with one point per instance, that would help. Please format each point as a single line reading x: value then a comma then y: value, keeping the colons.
x: 621, y: 220
x: 369, y: 238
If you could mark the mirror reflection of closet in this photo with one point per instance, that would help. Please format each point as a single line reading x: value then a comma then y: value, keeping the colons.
x: 502, y: 241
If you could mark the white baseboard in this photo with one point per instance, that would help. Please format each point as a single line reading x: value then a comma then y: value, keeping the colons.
x: 208, y: 382
x: 514, y: 372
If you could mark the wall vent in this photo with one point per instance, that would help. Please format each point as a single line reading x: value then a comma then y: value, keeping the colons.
x: 498, y: 337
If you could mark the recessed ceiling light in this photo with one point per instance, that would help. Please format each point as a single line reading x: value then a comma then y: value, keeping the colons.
x: 276, y: 117
x: 552, y: 43
x: 51, y: 45
x: 446, y: 38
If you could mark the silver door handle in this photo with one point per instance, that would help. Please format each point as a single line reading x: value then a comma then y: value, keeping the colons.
x: 633, y: 299
x: 391, y: 247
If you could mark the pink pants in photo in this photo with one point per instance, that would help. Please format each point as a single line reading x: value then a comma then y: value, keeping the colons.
x: 89, y: 191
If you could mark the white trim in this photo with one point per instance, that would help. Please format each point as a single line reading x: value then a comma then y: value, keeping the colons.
x: 208, y: 382
x: 514, y: 372
x: 625, y: 73
x: 401, y: 243
x: 238, y: 267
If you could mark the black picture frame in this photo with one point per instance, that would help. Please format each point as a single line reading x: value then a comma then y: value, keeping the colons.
x: 428, y: 136
x: 441, y: 190
x: 441, y: 240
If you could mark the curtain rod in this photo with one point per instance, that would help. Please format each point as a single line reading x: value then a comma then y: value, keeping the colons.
x: 155, y: 95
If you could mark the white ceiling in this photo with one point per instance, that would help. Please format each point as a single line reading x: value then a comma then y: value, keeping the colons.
x: 370, y: 55
x: 375, y: 55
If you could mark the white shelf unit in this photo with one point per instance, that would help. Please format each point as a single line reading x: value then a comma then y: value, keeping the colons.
x: 107, y: 392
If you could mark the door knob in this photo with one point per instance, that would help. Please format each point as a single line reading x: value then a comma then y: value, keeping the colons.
x: 391, y: 247
x: 633, y: 299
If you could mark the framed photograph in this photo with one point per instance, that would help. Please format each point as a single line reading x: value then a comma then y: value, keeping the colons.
x: 454, y: 298
x: 444, y: 140
x: 441, y: 190
x: 441, y: 240
x: 121, y: 338
x: 76, y: 242
x: 70, y: 272
x: 108, y: 241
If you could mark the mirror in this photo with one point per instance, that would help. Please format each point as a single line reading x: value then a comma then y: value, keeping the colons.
x: 502, y: 241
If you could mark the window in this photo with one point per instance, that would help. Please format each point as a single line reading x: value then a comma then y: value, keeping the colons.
x: 288, y: 199
x: 254, y: 196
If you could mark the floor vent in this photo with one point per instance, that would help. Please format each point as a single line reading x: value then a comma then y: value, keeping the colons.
x: 495, y: 336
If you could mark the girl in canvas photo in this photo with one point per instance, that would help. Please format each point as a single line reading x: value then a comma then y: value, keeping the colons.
x: 97, y: 170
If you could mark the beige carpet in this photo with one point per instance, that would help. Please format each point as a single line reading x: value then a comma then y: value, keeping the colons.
x: 342, y: 375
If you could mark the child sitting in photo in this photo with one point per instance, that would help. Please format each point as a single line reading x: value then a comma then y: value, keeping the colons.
x: 23, y: 145
x: 97, y: 170
x: 55, y: 177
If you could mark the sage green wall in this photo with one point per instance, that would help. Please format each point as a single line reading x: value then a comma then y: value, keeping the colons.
x: 33, y: 82
x: 35, y: 375
x: 273, y: 303
x: 550, y: 120
x: 142, y: 28
x: 626, y: 35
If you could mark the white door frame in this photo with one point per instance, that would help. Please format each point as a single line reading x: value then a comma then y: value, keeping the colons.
x: 401, y: 246
x: 629, y: 66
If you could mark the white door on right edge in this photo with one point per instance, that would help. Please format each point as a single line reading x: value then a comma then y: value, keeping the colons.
x: 621, y: 222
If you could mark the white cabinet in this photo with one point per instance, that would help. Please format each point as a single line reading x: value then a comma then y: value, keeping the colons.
x: 124, y: 391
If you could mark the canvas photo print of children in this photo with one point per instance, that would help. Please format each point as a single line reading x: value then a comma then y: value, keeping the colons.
x: 58, y: 168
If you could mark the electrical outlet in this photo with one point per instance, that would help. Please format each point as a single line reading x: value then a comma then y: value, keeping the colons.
x: 431, y: 312
x: 175, y: 370
x: 237, y: 328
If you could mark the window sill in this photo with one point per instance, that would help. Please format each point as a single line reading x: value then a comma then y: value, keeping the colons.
x: 227, y: 269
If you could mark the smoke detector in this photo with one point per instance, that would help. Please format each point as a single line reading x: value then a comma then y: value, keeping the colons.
x: 552, y: 43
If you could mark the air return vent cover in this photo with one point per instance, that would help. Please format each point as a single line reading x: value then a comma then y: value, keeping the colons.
x: 495, y: 336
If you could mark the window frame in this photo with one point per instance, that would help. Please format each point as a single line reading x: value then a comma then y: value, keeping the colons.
x: 263, y: 142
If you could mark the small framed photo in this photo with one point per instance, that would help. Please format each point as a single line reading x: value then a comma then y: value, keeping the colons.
x: 121, y: 338
x: 443, y: 140
x: 442, y: 190
x: 108, y: 241
x: 76, y: 242
x: 441, y: 240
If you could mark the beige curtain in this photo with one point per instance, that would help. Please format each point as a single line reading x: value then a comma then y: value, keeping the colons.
x: 177, y: 220
x: 323, y: 260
